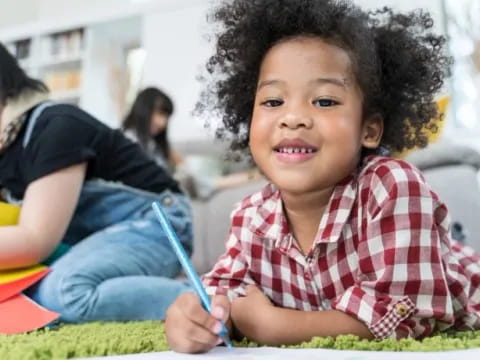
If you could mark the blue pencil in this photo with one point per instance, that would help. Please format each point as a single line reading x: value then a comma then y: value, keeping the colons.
x: 188, y: 267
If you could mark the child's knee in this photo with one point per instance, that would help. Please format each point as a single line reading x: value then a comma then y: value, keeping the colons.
x: 77, y: 296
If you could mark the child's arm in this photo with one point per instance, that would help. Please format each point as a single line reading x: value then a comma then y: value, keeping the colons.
x: 405, y: 263
x: 403, y: 287
x: 260, y: 321
x: 46, y: 212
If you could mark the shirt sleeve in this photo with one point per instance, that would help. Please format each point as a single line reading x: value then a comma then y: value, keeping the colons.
x: 58, y: 142
x: 230, y: 274
x: 403, y: 289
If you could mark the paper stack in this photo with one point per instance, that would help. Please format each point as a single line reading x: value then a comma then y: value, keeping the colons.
x: 18, y: 313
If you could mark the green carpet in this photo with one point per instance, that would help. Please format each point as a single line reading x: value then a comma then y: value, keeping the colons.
x: 97, y: 339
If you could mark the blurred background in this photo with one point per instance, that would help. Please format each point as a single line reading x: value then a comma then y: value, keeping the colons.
x: 99, y: 53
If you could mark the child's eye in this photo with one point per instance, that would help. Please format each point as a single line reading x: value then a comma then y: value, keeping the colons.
x: 325, y: 102
x: 272, y: 103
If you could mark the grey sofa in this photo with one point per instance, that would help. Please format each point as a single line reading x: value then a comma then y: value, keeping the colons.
x: 450, y: 170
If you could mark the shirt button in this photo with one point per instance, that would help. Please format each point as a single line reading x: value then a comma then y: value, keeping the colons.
x: 307, y: 276
x: 401, y: 309
x: 167, y: 201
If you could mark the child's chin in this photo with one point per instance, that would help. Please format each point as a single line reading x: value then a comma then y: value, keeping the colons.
x: 296, y: 186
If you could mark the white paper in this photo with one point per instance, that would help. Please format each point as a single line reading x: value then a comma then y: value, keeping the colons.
x: 267, y: 353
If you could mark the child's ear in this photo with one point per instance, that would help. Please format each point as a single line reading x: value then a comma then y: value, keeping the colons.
x: 372, y: 131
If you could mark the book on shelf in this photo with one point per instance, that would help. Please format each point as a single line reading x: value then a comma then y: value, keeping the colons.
x: 59, y: 46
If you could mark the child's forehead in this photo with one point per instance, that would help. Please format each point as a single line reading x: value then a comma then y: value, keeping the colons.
x: 315, y: 46
x: 301, y: 55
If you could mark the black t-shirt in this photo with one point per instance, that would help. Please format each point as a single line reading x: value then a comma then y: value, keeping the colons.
x: 64, y: 135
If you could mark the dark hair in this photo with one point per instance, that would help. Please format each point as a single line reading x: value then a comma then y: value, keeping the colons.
x: 398, y: 63
x: 13, y: 80
x: 146, y: 103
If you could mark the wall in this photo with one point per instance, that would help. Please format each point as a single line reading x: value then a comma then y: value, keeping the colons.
x: 176, y: 53
x: 104, y: 84
x: 18, y: 12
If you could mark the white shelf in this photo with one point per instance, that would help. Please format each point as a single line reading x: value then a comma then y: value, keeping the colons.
x: 80, y: 58
x: 75, y: 59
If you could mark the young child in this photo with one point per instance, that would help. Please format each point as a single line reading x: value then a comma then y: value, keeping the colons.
x: 147, y: 123
x: 343, y: 240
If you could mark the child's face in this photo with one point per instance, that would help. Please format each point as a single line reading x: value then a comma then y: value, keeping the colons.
x: 158, y: 123
x: 307, y: 130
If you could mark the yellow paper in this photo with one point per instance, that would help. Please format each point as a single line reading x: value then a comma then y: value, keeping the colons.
x: 9, y: 214
x: 7, y: 276
x: 442, y: 104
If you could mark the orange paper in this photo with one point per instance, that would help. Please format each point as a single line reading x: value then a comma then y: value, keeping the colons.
x: 19, y: 314
x: 14, y: 282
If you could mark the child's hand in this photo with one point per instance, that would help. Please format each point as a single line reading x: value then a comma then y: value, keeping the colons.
x: 190, y: 328
x: 253, y: 314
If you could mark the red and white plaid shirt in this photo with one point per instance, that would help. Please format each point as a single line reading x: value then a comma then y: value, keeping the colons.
x: 382, y: 254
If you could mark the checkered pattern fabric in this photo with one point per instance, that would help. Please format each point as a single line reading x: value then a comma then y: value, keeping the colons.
x: 382, y: 254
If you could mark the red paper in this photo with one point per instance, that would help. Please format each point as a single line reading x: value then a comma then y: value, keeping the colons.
x: 19, y: 314
x: 15, y: 287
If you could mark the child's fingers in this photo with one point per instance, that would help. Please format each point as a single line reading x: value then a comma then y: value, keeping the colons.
x: 183, y: 334
x: 200, y: 336
x: 221, y: 307
x: 191, y: 338
x: 193, y: 311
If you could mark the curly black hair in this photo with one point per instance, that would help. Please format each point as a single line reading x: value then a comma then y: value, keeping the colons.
x: 398, y: 62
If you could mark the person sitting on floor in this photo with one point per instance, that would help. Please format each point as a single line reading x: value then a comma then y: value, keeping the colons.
x: 86, y: 193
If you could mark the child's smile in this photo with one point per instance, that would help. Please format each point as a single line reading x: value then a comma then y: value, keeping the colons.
x: 307, y: 130
x: 294, y: 150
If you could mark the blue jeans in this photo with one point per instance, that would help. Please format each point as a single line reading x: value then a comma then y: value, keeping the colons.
x: 120, y: 266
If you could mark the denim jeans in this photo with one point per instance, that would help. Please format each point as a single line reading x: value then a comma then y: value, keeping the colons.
x: 120, y: 266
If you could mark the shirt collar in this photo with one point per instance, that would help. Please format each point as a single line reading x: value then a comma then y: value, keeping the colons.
x: 12, y: 117
x: 16, y: 107
x: 338, y: 210
x: 270, y: 222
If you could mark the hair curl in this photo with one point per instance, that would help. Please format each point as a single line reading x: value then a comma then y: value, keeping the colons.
x: 398, y: 62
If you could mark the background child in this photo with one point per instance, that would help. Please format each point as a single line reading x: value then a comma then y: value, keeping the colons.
x: 86, y: 194
x: 343, y: 240
x: 147, y: 123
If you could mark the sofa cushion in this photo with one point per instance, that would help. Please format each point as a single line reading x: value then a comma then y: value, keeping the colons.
x: 212, y: 221
x: 457, y: 186
x: 451, y: 170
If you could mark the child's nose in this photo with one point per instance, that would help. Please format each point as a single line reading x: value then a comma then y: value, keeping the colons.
x: 296, y: 120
